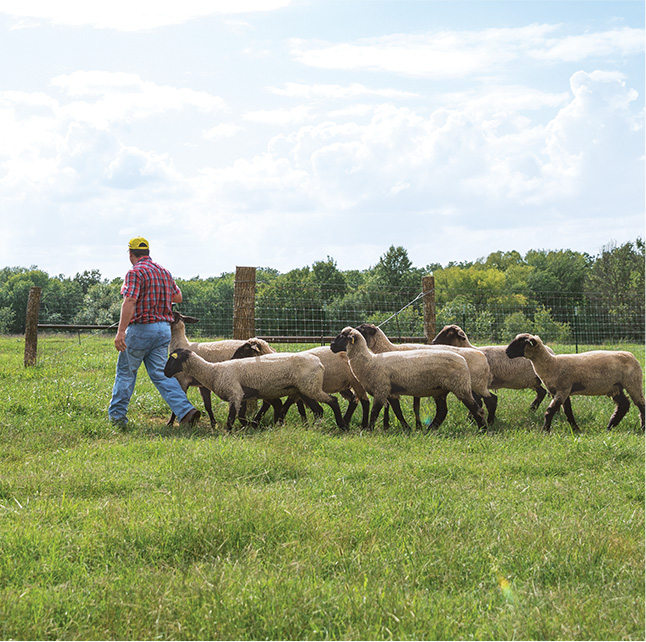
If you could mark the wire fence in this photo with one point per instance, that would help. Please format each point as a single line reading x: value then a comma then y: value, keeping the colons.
x: 306, y: 310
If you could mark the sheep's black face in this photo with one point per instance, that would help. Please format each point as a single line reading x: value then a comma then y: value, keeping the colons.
x: 367, y: 330
x: 176, y: 362
x: 448, y: 335
x: 517, y: 347
x: 340, y: 343
x: 246, y: 350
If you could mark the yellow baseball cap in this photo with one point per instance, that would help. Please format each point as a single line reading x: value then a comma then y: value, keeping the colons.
x: 138, y: 243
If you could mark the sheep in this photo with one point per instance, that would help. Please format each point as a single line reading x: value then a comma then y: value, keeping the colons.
x: 213, y: 351
x: 479, y: 368
x: 417, y: 373
x: 514, y: 375
x: 597, y: 373
x: 267, y: 377
x: 338, y: 377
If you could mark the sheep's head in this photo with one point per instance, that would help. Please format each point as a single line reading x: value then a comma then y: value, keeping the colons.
x: 522, y: 345
x: 451, y: 335
x: 246, y: 350
x: 176, y: 362
x: 368, y: 331
x: 182, y: 318
x: 346, y: 337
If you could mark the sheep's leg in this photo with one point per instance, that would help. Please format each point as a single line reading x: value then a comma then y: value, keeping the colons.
x: 206, y: 398
x: 301, y: 410
x: 567, y: 409
x: 640, y: 406
x: 552, y: 409
x: 622, y: 405
x: 416, y: 407
x: 365, y: 407
x: 266, y: 405
x: 285, y: 406
x: 491, y: 403
x: 397, y: 409
x: 276, y: 404
x: 476, y: 412
x: 352, y: 406
x: 334, y: 404
x: 314, y: 406
x: 386, y: 415
x: 441, y: 410
x: 540, y: 395
x: 353, y: 402
x: 374, y: 414
x: 637, y: 395
x: 231, y: 417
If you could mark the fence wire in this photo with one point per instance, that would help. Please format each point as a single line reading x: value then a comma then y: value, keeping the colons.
x: 305, y: 310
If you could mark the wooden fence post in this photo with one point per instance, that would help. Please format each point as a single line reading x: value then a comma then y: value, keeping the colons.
x: 428, y: 288
x: 31, y: 326
x: 244, y: 303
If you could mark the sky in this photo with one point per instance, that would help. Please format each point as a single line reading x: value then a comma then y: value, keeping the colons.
x: 278, y: 133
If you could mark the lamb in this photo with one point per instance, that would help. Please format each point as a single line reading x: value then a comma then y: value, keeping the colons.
x: 598, y: 373
x: 338, y: 377
x: 514, y: 375
x: 268, y: 377
x: 213, y: 351
x: 417, y: 373
x: 478, y: 364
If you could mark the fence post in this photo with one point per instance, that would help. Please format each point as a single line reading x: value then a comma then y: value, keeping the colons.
x: 31, y: 326
x: 428, y: 289
x: 244, y: 303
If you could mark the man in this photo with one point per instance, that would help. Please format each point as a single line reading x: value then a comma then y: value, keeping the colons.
x: 144, y: 335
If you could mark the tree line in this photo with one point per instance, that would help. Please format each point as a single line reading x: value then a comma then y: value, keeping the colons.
x: 493, y: 297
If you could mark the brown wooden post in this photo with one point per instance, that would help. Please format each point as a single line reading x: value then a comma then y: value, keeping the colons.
x: 428, y: 288
x: 31, y: 326
x: 244, y: 303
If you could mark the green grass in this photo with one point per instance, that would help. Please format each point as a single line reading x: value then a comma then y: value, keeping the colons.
x: 303, y: 532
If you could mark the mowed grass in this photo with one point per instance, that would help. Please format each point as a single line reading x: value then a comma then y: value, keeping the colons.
x: 304, y: 532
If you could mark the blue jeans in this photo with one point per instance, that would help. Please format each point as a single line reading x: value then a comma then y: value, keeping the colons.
x: 147, y: 342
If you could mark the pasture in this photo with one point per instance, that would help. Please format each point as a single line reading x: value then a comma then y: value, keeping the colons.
x: 306, y: 532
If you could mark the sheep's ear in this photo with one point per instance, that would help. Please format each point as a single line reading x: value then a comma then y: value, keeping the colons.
x: 173, y: 355
x: 351, y: 338
x: 531, y: 342
x: 462, y: 334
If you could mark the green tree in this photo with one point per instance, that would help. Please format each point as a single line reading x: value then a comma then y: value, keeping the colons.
x: 330, y: 282
x: 395, y: 270
x: 556, y: 271
x: 618, y: 269
x: 14, y: 294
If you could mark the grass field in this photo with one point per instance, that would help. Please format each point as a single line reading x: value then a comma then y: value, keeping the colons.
x: 304, y: 532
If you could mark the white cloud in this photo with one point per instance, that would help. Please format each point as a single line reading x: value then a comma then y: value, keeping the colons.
x: 444, y: 54
x: 280, y: 117
x: 617, y: 42
x: 336, y: 92
x: 131, y: 15
x: 451, y: 54
x: 107, y: 97
x: 221, y: 131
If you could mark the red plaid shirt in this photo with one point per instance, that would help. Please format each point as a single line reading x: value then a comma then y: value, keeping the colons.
x: 153, y: 287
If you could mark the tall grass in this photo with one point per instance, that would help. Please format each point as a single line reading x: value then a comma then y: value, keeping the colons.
x: 304, y: 532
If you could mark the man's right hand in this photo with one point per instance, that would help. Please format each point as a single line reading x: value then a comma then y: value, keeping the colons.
x: 120, y: 341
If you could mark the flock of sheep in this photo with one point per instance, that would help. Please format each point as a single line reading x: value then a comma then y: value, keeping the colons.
x: 362, y: 362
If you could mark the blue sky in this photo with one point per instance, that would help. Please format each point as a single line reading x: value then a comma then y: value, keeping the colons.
x: 276, y: 133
